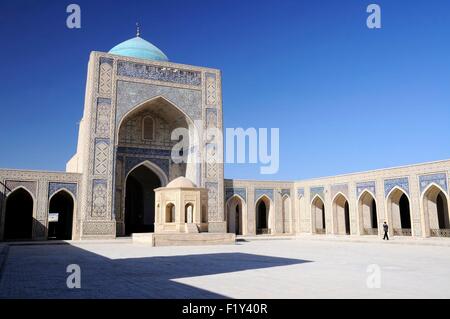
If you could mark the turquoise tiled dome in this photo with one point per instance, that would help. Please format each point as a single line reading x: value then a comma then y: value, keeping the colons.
x: 139, y: 48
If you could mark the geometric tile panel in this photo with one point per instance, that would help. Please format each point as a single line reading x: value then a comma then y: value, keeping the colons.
x: 230, y: 192
x: 158, y: 73
x: 101, y: 156
x: 339, y: 188
x: 439, y: 179
x: 212, y: 188
x: 211, y: 92
x: 144, y: 151
x: 30, y: 186
x: 317, y: 191
x: 261, y: 191
x: 285, y: 192
x: 55, y: 187
x: 99, y: 198
x: 103, y: 118
x: 402, y: 183
x: 300, y: 192
x: 105, y: 77
x: 361, y: 187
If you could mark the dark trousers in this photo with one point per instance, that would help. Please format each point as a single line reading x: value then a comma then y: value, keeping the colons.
x: 386, y: 236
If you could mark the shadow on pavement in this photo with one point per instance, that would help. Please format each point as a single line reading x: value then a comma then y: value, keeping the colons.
x: 40, y: 272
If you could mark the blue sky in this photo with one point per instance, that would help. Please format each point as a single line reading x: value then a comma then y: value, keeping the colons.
x: 345, y: 98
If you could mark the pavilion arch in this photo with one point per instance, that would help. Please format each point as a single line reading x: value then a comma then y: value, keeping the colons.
x: 398, y: 207
x: 367, y: 213
x: 236, y: 214
x: 20, y: 205
x: 435, y: 211
x: 341, y: 214
x: 170, y: 213
x: 286, y: 211
x: 263, y: 212
x: 318, y: 215
x: 62, y: 202
x: 189, y: 213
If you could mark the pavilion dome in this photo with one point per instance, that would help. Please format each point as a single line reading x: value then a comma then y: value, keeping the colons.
x: 181, y: 182
x: 139, y: 48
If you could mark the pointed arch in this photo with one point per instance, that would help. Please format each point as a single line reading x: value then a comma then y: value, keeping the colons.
x: 367, y: 213
x: 341, y: 214
x: 19, y: 211
x: 153, y: 167
x: 61, y: 205
x: 263, y: 210
x: 141, y: 106
x: 318, y: 215
x: 236, y: 216
x: 398, y: 206
x: 139, y: 197
x: 435, y: 211
x: 23, y: 188
x: 189, y: 213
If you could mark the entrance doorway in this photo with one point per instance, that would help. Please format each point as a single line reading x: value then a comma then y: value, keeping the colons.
x: 140, y: 200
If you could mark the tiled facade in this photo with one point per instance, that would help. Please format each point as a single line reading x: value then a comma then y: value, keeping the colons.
x: 119, y: 89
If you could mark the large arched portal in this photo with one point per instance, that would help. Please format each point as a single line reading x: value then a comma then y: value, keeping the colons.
x: 140, y: 200
x: 399, y: 210
x: 341, y: 215
x: 234, y: 215
x: 262, y: 216
x: 160, y: 134
x: 368, y: 217
x: 318, y: 216
x: 435, y: 206
x: 19, y: 215
x: 60, y: 216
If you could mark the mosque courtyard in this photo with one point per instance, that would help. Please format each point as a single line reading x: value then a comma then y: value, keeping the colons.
x: 269, y: 268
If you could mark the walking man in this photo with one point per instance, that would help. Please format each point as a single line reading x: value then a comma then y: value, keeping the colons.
x: 386, y: 229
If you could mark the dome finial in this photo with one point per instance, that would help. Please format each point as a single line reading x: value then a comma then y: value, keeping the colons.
x: 138, y: 30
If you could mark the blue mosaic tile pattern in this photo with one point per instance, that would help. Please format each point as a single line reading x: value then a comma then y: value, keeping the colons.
x: 285, y: 192
x: 106, y: 60
x: 361, y: 187
x: 103, y: 101
x: 143, y: 151
x: 339, y: 188
x: 402, y: 183
x: 230, y: 192
x: 131, y: 94
x: 317, y: 191
x: 261, y: 191
x: 158, y: 73
x: 54, y: 187
x: 300, y: 192
x: 439, y: 179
